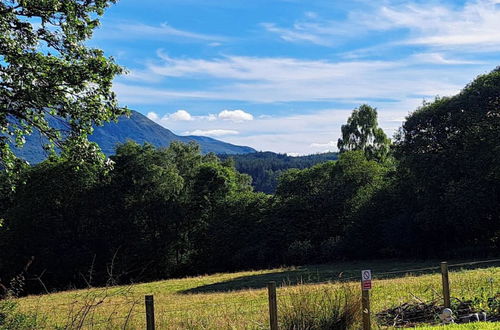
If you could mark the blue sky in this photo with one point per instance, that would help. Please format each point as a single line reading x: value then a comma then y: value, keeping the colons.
x: 284, y: 75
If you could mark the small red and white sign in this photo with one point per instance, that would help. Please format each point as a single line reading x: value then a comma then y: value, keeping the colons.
x: 366, y: 279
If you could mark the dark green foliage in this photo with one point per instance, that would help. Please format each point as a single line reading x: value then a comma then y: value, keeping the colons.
x: 51, y: 219
x: 443, y: 197
x: 265, y: 168
x: 299, y: 252
x: 236, y: 236
x: 318, y: 204
x: 449, y: 152
x: 142, y: 220
x: 46, y: 71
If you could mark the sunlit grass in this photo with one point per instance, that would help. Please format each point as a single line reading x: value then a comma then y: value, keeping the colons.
x: 239, y: 300
x: 466, y: 326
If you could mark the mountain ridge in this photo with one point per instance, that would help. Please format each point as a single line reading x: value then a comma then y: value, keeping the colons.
x: 135, y: 127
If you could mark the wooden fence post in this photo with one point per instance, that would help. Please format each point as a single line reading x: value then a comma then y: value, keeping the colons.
x: 446, y: 284
x: 150, y: 312
x: 365, y: 305
x: 273, y: 305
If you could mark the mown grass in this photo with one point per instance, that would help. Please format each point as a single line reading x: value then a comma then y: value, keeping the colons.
x: 239, y: 300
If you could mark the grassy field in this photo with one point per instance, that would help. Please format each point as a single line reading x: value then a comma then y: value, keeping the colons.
x: 468, y: 326
x: 239, y: 300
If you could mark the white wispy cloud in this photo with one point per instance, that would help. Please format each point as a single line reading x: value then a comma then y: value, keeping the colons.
x: 298, y: 34
x: 431, y: 24
x: 313, y: 28
x: 329, y: 145
x: 180, y: 115
x: 441, y: 59
x: 212, y: 132
x: 475, y: 24
x: 283, y: 79
x: 245, y: 68
x: 209, y: 117
x: 153, y: 116
x: 133, y: 30
x: 133, y: 93
x: 235, y: 115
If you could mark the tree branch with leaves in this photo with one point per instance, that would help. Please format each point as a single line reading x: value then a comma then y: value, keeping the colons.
x: 48, y: 74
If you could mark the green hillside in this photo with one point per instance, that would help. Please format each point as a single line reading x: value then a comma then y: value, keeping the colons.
x: 239, y: 300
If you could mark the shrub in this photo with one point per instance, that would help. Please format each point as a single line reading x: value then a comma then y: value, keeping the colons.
x: 332, y: 308
x: 12, y: 319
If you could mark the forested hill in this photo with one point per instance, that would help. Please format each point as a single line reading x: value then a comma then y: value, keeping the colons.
x: 174, y: 212
x: 266, y: 167
x: 137, y: 128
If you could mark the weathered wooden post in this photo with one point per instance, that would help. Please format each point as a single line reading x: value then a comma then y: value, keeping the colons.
x: 150, y: 312
x: 446, y: 284
x: 273, y: 305
x: 366, y: 285
x: 365, y: 302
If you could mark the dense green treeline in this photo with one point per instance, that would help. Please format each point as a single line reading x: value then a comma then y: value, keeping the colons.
x: 156, y: 213
x: 266, y: 167
x: 141, y: 220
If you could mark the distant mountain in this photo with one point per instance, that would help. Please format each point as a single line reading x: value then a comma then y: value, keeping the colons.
x: 266, y: 167
x: 138, y: 128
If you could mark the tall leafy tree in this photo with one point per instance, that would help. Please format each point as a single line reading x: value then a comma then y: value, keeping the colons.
x: 318, y: 203
x: 168, y: 198
x: 362, y: 133
x: 51, y: 222
x: 50, y: 81
x: 449, y: 158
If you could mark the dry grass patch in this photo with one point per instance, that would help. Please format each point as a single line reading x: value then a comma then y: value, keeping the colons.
x: 334, y: 307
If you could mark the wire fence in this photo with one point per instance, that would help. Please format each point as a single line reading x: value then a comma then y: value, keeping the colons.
x: 399, y: 298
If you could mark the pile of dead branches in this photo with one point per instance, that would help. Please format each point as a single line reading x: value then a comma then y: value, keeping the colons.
x: 410, y: 314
